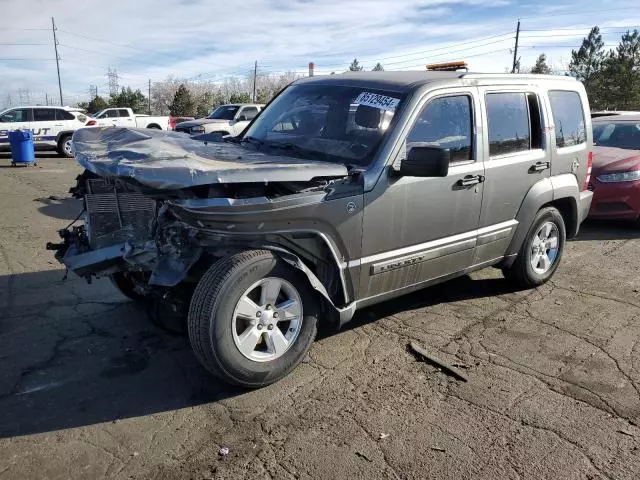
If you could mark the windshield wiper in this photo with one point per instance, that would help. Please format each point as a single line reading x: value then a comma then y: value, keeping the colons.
x: 253, y: 141
x: 297, y: 149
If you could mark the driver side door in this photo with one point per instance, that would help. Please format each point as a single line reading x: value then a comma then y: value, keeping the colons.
x: 419, y: 229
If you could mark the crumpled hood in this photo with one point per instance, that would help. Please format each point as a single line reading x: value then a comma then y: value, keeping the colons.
x: 171, y: 160
x: 200, y: 121
x: 611, y: 159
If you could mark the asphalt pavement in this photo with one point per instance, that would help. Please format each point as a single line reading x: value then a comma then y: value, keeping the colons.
x: 89, y: 388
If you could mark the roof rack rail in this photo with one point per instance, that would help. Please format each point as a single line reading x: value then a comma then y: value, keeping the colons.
x: 516, y: 76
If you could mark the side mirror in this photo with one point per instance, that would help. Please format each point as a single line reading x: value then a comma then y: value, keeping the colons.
x: 426, y: 161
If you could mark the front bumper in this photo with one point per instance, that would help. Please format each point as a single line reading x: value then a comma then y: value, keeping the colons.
x: 619, y: 201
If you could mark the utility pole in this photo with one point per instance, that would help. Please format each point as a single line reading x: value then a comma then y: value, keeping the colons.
x: 46, y: 98
x: 55, y: 46
x: 515, y: 50
x: 149, y: 97
x: 255, y: 78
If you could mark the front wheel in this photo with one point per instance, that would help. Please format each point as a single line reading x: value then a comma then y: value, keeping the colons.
x: 252, y: 318
x: 64, y: 146
x: 541, y: 251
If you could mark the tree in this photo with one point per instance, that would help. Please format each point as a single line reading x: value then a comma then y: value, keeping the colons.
x: 541, y: 65
x: 355, y: 66
x: 204, y: 104
x: 182, y: 105
x: 586, y: 65
x: 243, y: 97
x: 136, y: 101
x: 378, y: 68
x: 97, y: 104
x: 621, y: 74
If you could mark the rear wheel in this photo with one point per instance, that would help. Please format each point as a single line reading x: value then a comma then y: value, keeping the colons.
x: 541, y: 251
x: 252, y: 318
x: 64, y: 146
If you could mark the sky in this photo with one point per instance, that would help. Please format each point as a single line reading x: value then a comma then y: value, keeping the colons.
x: 209, y: 40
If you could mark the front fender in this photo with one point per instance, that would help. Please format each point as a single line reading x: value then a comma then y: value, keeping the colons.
x: 344, y: 314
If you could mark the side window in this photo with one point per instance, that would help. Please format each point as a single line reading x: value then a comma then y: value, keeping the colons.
x: 508, y: 116
x: 249, y: 112
x: 568, y: 118
x: 446, y: 122
x: 110, y: 114
x: 44, y: 114
x: 64, y: 115
x: 123, y: 112
x: 16, y: 115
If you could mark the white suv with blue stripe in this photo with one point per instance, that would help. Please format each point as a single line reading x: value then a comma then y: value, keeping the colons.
x: 52, y: 127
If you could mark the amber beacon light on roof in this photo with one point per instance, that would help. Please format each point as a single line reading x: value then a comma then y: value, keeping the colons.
x: 447, y: 67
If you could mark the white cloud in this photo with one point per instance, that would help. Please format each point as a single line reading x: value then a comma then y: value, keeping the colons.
x: 187, y: 38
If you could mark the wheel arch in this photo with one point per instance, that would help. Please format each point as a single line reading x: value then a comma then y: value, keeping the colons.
x: 63, y: 134
x: 313, y: 255
x: 154, y: 126
x: 561, y: 192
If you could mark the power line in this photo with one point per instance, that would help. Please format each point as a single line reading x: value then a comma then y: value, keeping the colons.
x: 27, y: 59
x: 138, y: 49
x: 576, y: 28
x: 556, y: 14
x: 12, y: 44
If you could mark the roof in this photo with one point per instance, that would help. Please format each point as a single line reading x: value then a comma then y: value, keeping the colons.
x: 617, y: 118
x: 68, y: 108
x: 242, y: 105
x: 407, y: 80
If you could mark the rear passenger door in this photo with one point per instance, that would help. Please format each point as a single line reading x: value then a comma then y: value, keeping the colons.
x: 125, y: 119
x: 569, y: 147
x: 45, y: 127
x: 516, y: 146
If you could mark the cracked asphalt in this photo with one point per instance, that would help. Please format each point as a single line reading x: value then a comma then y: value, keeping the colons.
x: 89, y: 388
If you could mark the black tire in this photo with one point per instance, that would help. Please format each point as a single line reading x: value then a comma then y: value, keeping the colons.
x: 123, y: 282
x: 211, y: 311
x: 521, y: 273
x: 154, y: 126
x: 61, y: 149
x: 160, y: 313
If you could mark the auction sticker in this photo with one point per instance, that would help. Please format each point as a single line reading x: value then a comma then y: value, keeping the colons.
x: 375, y: 100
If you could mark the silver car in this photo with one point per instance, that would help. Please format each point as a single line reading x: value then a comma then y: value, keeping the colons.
x: 346, y: 191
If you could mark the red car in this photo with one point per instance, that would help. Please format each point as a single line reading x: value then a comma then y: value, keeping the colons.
x: 615, y: 178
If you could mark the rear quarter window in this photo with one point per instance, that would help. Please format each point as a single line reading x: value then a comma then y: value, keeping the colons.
x: 568, y: 118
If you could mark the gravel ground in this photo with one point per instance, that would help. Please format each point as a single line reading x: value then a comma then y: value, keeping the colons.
x: 90, y: 389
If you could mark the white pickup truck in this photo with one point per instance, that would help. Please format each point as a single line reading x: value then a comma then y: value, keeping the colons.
x: 124, y: 117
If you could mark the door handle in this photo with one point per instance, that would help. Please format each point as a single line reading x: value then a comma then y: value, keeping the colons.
x: 539, y: 167
x: 470, y: 180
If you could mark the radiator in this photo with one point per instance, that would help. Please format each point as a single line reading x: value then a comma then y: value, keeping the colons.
x: 115, y: 216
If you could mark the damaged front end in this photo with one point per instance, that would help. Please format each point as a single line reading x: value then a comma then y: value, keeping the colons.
x: 154, y: 224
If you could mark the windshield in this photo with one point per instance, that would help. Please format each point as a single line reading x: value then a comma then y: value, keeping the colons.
x: 617, y: 134
x: 326, y: 122
x: 224, y: 112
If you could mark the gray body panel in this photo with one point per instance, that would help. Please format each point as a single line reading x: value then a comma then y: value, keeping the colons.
x: 388, y: 234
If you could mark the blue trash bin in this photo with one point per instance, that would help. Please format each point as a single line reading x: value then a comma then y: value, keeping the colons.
x: 22, y: 149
